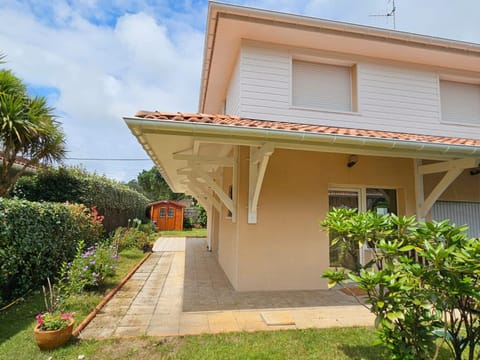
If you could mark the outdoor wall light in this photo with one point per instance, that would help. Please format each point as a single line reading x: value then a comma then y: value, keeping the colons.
x: 475, y: 171
x: 352, y: 160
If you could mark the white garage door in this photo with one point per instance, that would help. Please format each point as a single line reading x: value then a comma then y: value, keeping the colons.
x: 459, y: 213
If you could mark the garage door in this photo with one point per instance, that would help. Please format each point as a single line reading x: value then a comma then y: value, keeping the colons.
x: 459, y: 213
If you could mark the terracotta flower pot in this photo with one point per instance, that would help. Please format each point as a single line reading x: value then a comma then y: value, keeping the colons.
x: 48, y: 340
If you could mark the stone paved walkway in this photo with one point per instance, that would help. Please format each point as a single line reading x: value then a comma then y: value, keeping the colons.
x: 182, y: 290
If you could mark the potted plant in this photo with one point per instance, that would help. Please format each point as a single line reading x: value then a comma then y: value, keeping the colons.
x: 54, y: 328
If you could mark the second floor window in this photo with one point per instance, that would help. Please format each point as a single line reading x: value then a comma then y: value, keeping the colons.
x: 321, y: 86
x: 460, y: 102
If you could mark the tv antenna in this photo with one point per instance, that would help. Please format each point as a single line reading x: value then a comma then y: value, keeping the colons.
x: 391, y: 13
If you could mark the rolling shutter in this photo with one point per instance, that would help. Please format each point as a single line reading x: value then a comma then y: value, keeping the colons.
x: 321, y: 86
x: 459, y: 213
x: 460, y: 102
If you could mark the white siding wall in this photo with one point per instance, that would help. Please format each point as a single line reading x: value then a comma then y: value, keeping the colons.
x: 389, y: 97
x: 232, y: 102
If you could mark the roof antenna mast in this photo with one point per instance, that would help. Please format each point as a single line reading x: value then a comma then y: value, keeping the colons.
x: 391, y: 13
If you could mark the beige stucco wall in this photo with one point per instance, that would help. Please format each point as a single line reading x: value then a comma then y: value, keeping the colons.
x: 465, y: 188
x: 228, y: 236
x: 286, y: 249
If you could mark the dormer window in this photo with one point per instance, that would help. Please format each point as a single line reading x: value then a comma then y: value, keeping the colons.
x: 460, y: 102
x: 321, y: 86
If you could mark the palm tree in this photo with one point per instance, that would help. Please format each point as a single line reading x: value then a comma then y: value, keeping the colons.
x: 28, y: 130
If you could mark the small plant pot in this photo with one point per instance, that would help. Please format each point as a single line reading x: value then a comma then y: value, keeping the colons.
x: 48, y: 340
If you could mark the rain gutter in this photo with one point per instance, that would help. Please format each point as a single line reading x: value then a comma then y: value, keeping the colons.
x: 415, y: 149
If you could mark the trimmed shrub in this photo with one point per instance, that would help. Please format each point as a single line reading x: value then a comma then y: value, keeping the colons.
x: 115, y: 201
x: 36, y: 238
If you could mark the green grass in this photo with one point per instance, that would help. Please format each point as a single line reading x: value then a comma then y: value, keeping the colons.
x: 186, y: 233
x: 17, y: 340
x: 332, y: 344
x: 17, y: 322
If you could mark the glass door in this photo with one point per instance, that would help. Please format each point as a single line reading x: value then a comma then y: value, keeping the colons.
x: 349, y: 199
x: 379, y: 200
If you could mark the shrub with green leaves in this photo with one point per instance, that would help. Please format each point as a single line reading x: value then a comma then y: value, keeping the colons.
x: 88, y: 269
x: 35, y: 239
x: 422, y: 284
x: 136, y: 235
x: 202, y: 216
x: 115, y: 201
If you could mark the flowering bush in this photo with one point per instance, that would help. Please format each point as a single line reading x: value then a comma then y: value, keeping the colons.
x: 127, y: 238
x: 92, y: 224
x: 89, y: 268
x: 53, y: 321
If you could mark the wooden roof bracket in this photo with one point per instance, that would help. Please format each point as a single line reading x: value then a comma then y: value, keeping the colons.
x: 257, y: 166
x: 452, y: 169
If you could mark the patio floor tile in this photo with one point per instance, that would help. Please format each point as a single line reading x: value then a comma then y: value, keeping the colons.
x: 187, y: 292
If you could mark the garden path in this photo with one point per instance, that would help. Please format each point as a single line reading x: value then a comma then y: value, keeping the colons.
x: 181, y: 290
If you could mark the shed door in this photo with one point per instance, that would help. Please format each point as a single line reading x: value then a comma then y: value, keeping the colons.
x: 162, y: 218
x: 170, y: 218
x: 459, y: 213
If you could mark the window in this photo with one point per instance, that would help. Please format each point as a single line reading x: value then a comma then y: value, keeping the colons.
x: 460, y: 102
x: 162, y: 212
x: 321, y: 86
x: 382, y: 201
x: 171, y: 212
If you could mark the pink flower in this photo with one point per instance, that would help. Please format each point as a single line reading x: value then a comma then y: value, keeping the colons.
x: 39, y: 319
x: 66, y: 316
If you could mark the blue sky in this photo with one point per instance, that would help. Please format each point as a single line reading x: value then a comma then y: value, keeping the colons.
x: 99, y: 60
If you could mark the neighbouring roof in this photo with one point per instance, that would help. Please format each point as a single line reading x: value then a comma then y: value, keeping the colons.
x: 21, y: 162
x: 235, y: 121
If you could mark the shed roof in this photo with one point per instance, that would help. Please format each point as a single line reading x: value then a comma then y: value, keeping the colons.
x: 166, y: 202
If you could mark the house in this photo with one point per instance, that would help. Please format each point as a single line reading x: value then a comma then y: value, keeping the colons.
x: 166, y: 214
x: 299, y: 114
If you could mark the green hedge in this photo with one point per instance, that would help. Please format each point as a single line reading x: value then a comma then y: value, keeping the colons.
x: 116, y: 201
x: 35, y: 239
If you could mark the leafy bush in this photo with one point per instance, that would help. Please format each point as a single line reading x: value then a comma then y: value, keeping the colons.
x: 137, y: 235
x: 35, y: 238
x: 202, y: 216
x: 127, y: 238
x: 422, y: 282
x: 187, y: 223
x: 116, y: 202
x: 88, y: 269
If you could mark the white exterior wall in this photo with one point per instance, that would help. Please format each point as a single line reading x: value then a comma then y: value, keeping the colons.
x: 389, y: 97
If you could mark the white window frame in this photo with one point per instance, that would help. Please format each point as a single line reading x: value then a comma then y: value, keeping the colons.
x: 361, y: 191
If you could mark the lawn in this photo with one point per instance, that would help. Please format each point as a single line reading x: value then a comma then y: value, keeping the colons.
x: 17, y: 322
x: 17, y: 340
x: 185, y: 233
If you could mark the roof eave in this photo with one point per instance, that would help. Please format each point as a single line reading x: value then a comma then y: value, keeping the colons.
x: 286, y: 138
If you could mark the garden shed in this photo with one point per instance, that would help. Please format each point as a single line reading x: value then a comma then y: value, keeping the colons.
x: 167, y: 214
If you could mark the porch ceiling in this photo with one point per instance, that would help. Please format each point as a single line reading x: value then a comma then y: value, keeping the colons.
x: 173, y: 139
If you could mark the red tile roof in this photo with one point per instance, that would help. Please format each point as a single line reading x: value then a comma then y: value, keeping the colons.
x: 235, y: 121
x: 20, y: 161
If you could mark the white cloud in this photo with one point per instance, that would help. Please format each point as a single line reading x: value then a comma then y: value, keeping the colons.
x: 103, y: 73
